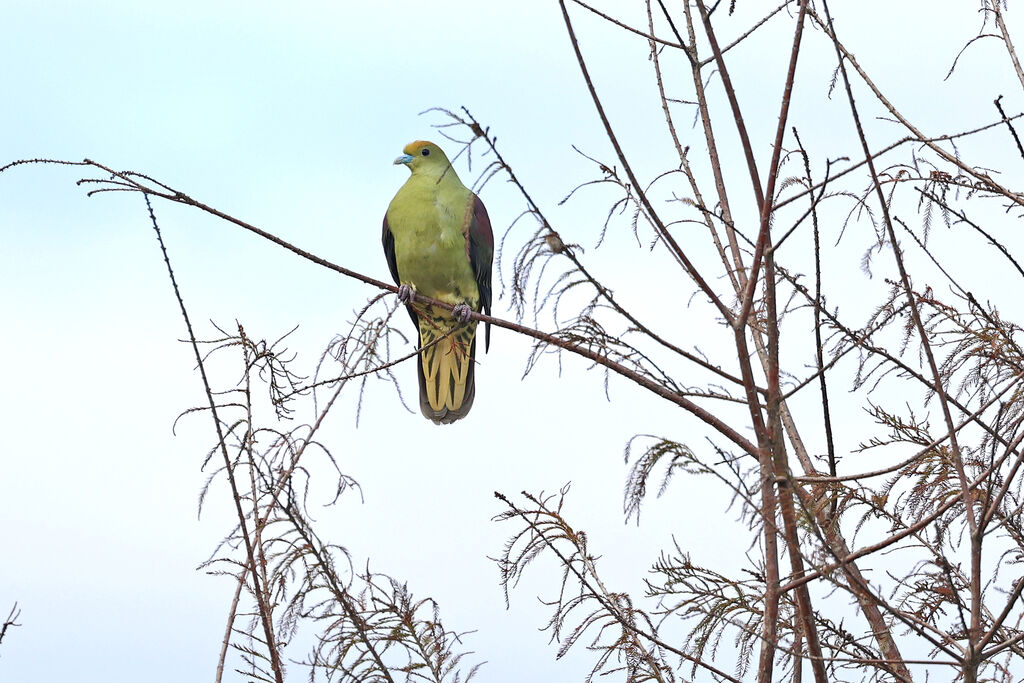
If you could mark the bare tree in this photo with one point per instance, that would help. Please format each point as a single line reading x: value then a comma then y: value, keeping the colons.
x: 952, y: 503
x: 906, y: 571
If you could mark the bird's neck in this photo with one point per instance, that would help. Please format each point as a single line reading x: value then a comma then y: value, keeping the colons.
x: 437, y: 181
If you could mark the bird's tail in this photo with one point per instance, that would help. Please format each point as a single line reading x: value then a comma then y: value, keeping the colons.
x: 446, y: 372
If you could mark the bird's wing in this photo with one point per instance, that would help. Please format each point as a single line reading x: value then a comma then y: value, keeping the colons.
x: 388, y: 240
x: 480, y: 245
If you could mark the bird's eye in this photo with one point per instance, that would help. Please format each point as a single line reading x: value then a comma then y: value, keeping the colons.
x: 425, y: 152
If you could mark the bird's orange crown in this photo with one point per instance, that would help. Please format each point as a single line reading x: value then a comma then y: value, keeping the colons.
x: 414, y: 148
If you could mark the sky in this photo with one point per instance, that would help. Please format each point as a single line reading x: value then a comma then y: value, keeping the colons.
x: 288, y: 116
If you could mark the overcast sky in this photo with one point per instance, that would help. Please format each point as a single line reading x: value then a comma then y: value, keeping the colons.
x: 288, y: 115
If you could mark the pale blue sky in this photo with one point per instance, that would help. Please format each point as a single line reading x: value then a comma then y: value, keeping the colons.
x: 288, y: 116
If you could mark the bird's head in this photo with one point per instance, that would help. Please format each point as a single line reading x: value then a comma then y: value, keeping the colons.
x: 424, y: 157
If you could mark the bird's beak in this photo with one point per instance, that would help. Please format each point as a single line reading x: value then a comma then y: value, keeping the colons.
x: 404, y: 159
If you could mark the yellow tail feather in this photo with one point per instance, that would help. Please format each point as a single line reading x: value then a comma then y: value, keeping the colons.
x: 446, y: 366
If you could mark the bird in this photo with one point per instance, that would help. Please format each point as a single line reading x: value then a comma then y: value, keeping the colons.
x: 438, y: 243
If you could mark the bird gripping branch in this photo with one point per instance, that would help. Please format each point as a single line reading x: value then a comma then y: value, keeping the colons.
x: 438, y: 242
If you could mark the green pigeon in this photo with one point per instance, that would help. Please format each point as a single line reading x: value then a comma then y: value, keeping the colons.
x: 438, y: 242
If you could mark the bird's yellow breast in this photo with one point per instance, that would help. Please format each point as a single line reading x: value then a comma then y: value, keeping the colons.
x: 429, y: 220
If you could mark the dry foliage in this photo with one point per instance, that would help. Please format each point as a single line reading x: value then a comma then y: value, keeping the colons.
x: 910, y: 571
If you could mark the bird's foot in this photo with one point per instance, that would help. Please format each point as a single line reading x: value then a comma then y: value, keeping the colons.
x: 406, y: 294
x: 462, y: 313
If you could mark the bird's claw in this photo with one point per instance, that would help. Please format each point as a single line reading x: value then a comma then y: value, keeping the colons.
x: 462, y: 313
x: 406, y: 294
